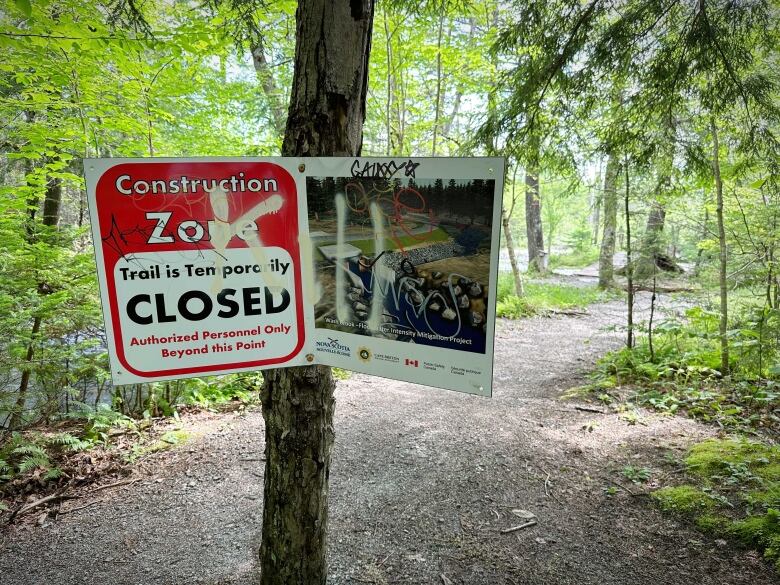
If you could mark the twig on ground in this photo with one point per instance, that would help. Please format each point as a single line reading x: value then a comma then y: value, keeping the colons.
x: 40, y: 502
x: 61, y: 512
x: 115, y: 484
x: 589, y: 409
x: 519, y: 527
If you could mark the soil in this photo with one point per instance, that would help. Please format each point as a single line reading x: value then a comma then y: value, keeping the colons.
x: 423, y: 483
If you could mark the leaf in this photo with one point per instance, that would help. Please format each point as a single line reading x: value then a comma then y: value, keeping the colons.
x: 525, y: 514
x: 25, y: 6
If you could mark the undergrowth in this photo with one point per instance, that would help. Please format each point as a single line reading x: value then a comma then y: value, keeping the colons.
x: 541, y: 298
x: 39, y: 456
x: 683, y: 372
x: 732, y: 491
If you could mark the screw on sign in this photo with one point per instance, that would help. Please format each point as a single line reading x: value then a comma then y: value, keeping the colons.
x: 199, y: 265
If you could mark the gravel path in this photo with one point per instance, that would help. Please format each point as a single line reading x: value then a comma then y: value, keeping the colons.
x: 423, y: 482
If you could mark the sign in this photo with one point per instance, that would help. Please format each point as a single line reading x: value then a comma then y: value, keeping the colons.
x: 382, y: 266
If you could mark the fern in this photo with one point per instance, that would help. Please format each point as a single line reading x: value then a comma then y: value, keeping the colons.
x: 32, y: 462
x: 30, y: 450
x: 68, y: 441
x: 53, y: 473
x: 6, y: 471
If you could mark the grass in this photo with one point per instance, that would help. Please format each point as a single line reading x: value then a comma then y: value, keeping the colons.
x: 732, y: 491
x: 542, y: 298
x: 576, y: 258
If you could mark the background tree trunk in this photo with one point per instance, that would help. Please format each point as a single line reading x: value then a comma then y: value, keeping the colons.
x: 510, y: 246
x: 327, y: 110
x: 266, y: 78
x: 724, y: 299
x: 607, y: 251
x: 533, y: 213
x: 51, y: 216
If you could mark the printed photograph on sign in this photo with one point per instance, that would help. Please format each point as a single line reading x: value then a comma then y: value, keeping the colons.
x: 404, y: 259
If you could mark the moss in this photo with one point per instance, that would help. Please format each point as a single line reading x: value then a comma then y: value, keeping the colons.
x: 761, y: 531
x: 765, y: 498
x: 713, y: 523
x: 683, y: 499
x: 714, y: 456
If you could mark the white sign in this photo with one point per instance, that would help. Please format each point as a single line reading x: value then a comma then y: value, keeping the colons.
x: 382, y: 266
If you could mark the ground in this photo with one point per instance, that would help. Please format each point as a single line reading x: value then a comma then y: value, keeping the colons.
x: 423, y: 483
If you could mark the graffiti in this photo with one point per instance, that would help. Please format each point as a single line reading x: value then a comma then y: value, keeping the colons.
x: 378, y: 170
x: 393, y: 258
x: 395, y: 205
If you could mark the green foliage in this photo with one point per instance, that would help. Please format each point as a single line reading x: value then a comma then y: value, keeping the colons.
x: 207, y: 392
x: 578, y: 257
x: 684, y: 371
x: 541, y: 298
x: 28, y: 453
x: 98, y: 422
x: 636, y: 474
x: 683, y: 499
x: 341, y: 374
x: 734, y: 492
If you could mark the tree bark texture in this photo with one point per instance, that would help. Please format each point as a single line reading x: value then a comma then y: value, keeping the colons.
x: 724, y: 299
x: 607, y: 251
x: 325, y: 118
x: 510, y: 246
x: 268, y: 83
x: 330, y: 79
x: 533, y: 221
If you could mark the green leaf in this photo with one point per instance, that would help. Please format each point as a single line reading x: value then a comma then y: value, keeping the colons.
x: 25, y: 6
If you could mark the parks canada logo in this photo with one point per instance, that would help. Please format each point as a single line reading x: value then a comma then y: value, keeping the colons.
x: 333, y: 346
x: 364, y: 354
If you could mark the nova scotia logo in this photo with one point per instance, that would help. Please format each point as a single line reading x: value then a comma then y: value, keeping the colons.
x: 333, y: 346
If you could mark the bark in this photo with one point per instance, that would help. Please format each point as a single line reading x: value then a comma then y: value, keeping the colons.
x: 607, y: 251
x: 629, y: 265
x: 268, y: 83
x: 533, y: 212
x: 724, y: 299
x: 510, y: 246
x: 533, y: 221
x: 327, y: 104
x: 327, y: 110
x: 437, y: 113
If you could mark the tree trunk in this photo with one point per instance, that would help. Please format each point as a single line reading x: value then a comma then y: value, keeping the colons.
x: 267, y: 82
x: 327, y: 110
x: 724, y: 299
x: 533, y: 213
x: 437, y: 111
x: 510, y: 246
x: 607, y: 252
x: 51, y: 216
x: 629, y: 265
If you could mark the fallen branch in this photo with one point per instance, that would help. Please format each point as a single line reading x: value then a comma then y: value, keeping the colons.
x: 519, y: 527
x: 56, y: 497
x: 589, y: 409
x: 61, y: 512
x: 115, y: 484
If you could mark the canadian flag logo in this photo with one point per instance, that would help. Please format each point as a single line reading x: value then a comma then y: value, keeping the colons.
x: 408, y: 362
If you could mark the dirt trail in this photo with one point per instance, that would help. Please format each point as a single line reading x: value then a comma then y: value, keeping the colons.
x: 423, y: 482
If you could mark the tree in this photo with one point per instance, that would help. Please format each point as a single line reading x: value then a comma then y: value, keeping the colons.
x: 607, y: 250
x: 325, y: 118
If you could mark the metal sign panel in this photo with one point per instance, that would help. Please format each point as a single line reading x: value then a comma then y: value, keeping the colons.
x: 217, y: 265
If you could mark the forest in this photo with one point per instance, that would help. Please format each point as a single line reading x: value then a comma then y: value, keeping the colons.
x: 637, y: 357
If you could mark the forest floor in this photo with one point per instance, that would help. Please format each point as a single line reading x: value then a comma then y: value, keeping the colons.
x: 423, y: 484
